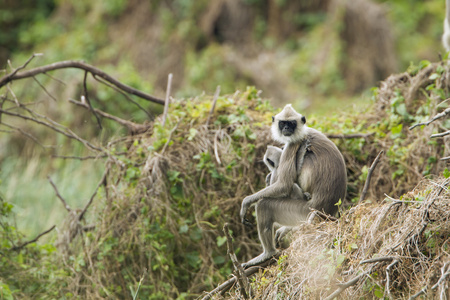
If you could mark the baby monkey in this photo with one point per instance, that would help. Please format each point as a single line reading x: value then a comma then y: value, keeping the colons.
x: 272, y: 161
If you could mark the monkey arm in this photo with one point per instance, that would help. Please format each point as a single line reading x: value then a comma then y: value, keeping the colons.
x: 276, y: 190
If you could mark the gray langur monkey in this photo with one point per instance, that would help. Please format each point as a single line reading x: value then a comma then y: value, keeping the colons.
x: 310, y: 161
x: 272, y: 161
x: 446, y: 35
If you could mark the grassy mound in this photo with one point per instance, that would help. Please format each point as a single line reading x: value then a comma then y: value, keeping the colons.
x: 394, y: 247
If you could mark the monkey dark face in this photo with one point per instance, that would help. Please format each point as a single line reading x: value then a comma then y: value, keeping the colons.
x: 287, y: 128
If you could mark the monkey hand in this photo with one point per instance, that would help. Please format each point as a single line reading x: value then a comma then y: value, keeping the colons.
x: 243, y: 212
x: 307, y: 196
x: 307, y: 145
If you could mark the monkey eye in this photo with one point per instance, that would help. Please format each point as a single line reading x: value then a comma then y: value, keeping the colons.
x: 273, y: 119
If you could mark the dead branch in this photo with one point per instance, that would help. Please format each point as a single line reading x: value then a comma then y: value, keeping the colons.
x: 28, y: 135
x: 444, y: 274
x: 15, y: 75
x: 227, y: 285
x: 151, y: 117
x: 66, y: 206
x: 101, y: 182
x: 45, y: 90
x: 344, y: 286
x: 324, y: 216
x: 216, y: 151
x: 131, y: 126
x: 422, y: 291
x: 18, y: 248
x: 436, y: 117
x: 167, y: 102
x: 170, y: 136
x: 349, y: 136
x: 79, y: 157
x: 69, y: 133
x: 440, y: 134
x: 244, y: 285
x: 369, y: 176
x: 86, y: 96
x: 14, y: 72
x: 377, y: 259
x: 388, y: 269
x: 216, y: 95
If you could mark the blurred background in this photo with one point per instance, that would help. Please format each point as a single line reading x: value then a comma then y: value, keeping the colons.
x: 321, y: 55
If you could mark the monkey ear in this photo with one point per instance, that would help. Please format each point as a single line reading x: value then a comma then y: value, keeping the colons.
x: 273, y: 119
x: 303, y: 119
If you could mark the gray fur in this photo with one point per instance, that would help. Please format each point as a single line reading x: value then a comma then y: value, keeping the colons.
x: 320, y: 171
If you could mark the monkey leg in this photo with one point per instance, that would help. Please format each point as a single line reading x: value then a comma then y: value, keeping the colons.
x: 297, y: 193
x: 281, y: 233
x: 270, y: 211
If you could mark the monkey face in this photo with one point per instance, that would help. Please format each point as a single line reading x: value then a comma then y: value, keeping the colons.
x: 287, y: 128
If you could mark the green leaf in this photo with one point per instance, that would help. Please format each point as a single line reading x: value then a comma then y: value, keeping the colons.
x: 221, y: 240
x: 446, y: 173
x: 434, y: 76
x: 183, y: 228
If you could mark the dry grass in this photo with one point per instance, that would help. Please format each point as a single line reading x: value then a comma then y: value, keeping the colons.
x: 407, y: 239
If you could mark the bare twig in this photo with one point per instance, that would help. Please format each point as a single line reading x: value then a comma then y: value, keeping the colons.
x: 436, y: 117
x: 14, y: 72
x: 45, y: 90
x: 369, y: 176
x: 69, y: 133
x: 17, y: 248
x: 66, y: 206
x: 377, y: 259
x: 444, y: 274
x: 170, y: 136
x: 440, y: 134
x: 321, y: 214
x: 167, y: 102
x: 101, y: 182
x: 227, y: 285
x: 28, y: 135
x: 86, y: 95
x: 216, y: 95
x: 345, y: 285
x: 388, y: 269
x: 133, y: 127
x: 150, y: 116
x: 78, y: 65
x: 242, y: 279
x: 80, y: 157
x: 422, y: 291
x: 216, y: 151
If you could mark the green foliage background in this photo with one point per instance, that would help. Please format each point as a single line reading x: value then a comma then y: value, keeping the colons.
x: 85, y: 34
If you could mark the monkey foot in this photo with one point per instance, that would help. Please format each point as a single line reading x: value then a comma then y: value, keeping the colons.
x: 259, y: 259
